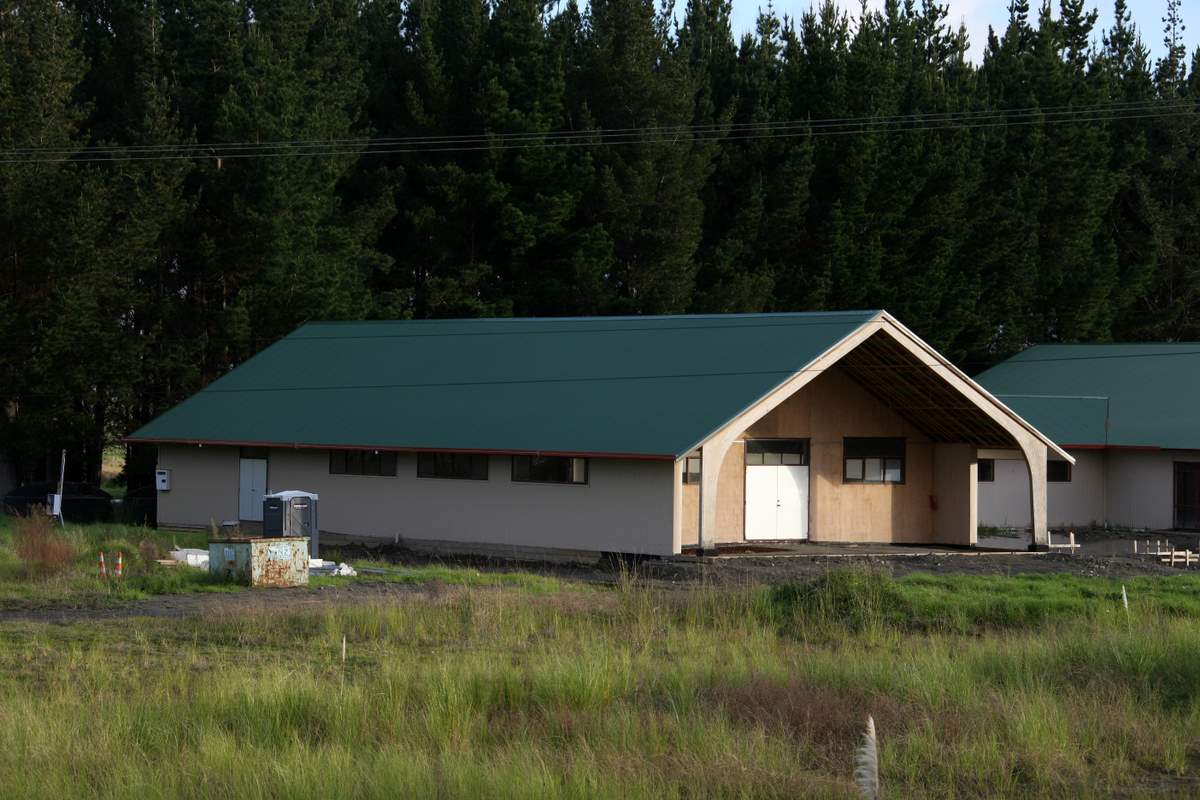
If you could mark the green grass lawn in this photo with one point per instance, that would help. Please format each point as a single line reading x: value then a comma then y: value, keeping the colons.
x: 980, y: 687
x: 80, y: 583
x: 441, y: 573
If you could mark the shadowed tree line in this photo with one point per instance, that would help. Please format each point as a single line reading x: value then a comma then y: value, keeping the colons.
x: 131, y: 277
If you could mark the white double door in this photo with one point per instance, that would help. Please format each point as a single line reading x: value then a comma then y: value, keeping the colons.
x: 776, y: 502
x: 252, y: 487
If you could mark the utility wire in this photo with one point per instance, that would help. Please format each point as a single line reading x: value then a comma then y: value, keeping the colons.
x: 601, y: 136
x: 720, y: 128
x: 607, y: 137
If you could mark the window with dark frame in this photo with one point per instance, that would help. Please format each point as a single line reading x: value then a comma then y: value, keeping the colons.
x: 362, y: 462
x: 464, y: 466
x: 1058, y: 471
x: 776, y: 452
x: 550, y: 469
x: 873, y: 460
x: 691, y: 469
x: 987, y: 470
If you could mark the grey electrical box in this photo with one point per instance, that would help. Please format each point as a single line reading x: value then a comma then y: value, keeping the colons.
x: 292, y: 513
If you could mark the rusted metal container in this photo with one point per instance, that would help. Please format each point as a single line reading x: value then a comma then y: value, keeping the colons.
x: 280, y: 561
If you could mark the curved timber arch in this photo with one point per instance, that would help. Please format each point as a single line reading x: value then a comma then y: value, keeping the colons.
x: 916, y: 382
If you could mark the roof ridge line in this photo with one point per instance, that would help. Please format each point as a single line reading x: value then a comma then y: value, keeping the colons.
x: 1057, y: 396
x: 598, y: 318
x: 1139, y: 343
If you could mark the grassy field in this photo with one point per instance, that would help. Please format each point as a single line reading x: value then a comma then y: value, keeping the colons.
x: 78, y: 581
x: 534, y: 688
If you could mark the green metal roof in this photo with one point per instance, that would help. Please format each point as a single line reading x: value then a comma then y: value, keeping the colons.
x: 1077, y: 420
x: 1149, y: 394
x: 639, y: 386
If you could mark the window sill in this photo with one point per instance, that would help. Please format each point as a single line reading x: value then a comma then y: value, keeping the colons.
x: 548, y: 483
x: 356, y: 475
x: 451, y: 478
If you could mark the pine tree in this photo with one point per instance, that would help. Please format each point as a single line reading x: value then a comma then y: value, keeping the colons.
x: 755, y: 201
x: 1171, y: 308
x: 53, y: 321
x: 1002, y: 241
x: 445, y: 202
x: 647, y: 195
x: 816, y: 86
x: 983, y: 237
x: 151, y: 351
x: 292, y: 72
x: 1077, y: 261
x: 1134, y: 218
x: 544, y: 258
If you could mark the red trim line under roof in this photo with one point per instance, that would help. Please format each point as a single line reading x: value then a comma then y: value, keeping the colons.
x: 1111, y: 447
x: 306, y: 446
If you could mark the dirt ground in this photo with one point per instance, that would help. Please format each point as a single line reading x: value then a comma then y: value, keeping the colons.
x: 740, y: 571
x: 767, y: 569
x: 247, y: 602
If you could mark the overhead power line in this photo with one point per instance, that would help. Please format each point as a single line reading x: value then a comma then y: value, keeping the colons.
x: 1050, y: 111
x: 605, y: 137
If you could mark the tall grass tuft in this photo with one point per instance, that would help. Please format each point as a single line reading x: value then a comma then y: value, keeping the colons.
x: 634, y: 692
x: 866, y: 763
x: 855, y: 602
x: 43, y: 550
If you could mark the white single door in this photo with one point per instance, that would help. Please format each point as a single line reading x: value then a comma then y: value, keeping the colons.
x: 777, y: 502
x: 762, y: 490
x: 252, y: 488
x: 793, y: 502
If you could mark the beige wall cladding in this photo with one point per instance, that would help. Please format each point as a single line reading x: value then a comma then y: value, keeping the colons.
x: 1125, y: 488
x: 204, y: 485
x: 1081, y: 500
x: 1004, y: 502
x: 1141, y: 486
x: 690, y: 526
x: 955, y: 489
x: 624, y: 507
x: 731, y: 494
x: 824, y: 411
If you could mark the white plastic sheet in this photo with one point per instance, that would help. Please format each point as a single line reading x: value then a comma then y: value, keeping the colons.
x: 191, y: 556
x: 318, y: 566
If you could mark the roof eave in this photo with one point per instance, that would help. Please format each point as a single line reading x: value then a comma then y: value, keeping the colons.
x: 134, y: 439
x: 709, y: 434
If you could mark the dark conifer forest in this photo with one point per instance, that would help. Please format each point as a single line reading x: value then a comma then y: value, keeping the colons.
x: 182, y: 182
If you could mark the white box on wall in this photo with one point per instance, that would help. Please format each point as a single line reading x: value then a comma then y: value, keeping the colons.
x: 162, y: 480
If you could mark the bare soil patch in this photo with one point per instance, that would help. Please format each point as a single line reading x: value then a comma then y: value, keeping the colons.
x: 195, y: 604
x: 771, y: 570
x: 748, y: 569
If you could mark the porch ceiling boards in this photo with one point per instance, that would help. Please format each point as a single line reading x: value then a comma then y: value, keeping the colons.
x: 912, y: 389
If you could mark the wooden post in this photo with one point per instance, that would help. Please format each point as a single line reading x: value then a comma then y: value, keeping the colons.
x: 1035, y: 460
x: 712, y: 454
